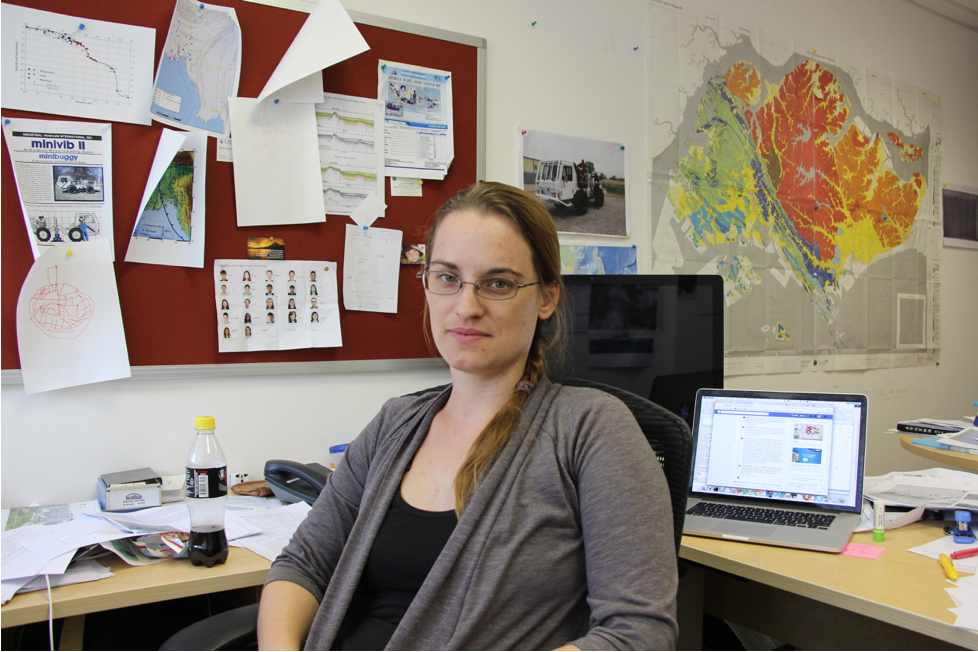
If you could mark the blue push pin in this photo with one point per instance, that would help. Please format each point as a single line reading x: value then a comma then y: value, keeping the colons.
x: 201, y: 5
x: 7, y: 121
x: 81, y: 26
x: 634, y: 48
x: 276, y: 101
x: 364, y: 228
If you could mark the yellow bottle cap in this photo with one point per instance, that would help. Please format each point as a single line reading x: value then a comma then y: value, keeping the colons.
x: 205, y: 423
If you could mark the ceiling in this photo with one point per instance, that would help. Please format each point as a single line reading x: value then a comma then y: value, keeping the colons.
x: 960, y: 12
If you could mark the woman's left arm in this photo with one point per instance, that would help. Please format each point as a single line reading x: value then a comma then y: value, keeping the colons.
x: 626, y: 522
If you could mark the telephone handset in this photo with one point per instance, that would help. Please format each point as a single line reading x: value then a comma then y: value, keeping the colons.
x: 292, y: 481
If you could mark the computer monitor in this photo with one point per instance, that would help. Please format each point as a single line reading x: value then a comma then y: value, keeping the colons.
x: 657, y: 336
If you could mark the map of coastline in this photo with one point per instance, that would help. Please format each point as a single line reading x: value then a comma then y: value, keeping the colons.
x: 167, y: 214
x: 199, y: 68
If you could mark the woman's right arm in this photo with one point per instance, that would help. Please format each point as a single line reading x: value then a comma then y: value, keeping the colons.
x: 285, y: 616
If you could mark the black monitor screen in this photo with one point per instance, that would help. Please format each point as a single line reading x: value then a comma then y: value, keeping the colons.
x: 658, y: 336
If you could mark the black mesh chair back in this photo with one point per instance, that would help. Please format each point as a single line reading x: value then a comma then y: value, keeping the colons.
x: 669, y: 437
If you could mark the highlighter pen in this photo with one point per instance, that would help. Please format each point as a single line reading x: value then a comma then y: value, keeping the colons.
x: 949, y: 570
x: 879, y: 520
x: 963, y: 554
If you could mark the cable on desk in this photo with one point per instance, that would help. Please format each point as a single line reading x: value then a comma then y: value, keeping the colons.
x: 47, y: 580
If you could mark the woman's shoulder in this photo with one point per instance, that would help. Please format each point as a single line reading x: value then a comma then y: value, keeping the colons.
x: 399, y: 407
x: 578, y: 401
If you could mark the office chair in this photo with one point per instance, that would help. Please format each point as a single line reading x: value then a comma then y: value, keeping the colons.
x: 668, y: 435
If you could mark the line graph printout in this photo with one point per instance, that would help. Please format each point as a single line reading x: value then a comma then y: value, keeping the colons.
x: 67, y: 65
x: 199, y: 69
x: 351, y: 146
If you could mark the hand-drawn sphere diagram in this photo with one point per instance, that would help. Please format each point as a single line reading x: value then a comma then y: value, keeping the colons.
x: 59, y: 309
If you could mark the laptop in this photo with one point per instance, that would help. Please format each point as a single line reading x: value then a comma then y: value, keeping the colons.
x: 779, y: 468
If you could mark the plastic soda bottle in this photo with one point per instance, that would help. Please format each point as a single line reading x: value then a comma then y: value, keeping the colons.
x: 207, y: 497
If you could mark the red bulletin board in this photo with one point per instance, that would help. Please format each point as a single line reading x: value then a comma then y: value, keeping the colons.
x: 168, y: 312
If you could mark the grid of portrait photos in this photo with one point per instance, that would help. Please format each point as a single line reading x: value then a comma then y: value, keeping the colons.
x: 265, y: 305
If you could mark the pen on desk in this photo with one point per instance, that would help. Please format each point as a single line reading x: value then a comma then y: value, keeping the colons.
x: 879, y: 520
x: 948, y: 568
x: 963, y: 554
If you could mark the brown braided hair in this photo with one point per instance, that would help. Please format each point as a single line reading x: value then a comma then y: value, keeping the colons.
x: 537, y: 228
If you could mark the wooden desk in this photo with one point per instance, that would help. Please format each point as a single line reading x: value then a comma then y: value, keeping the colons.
x: 816, y: 600
x: 941, y: 455
x: 132, y: 585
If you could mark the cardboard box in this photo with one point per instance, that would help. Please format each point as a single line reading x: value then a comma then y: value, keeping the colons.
x: 129, y: 490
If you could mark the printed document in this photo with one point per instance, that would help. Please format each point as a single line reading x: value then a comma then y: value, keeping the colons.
x: 170, y: 226
x: 372, y: 269
x: 274, y: 305
x: 199, y: 69
x: 64, y: 177
x: 351, y: 151
x: 73, y: 66
x: 419, y: 136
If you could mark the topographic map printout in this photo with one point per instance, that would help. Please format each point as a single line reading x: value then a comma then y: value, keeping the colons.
x: 811, y: 185
x: 199, y: 69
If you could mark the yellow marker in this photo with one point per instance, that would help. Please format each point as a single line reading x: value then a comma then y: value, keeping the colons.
x: 949, y: 570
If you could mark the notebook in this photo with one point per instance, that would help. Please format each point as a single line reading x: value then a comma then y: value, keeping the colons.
x: 780, y: 468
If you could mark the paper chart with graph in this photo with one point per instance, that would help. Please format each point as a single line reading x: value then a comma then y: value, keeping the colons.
x: 66, y: 65
x: 351, y: 151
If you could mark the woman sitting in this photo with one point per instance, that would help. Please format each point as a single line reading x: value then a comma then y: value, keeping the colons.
x: 504, y: 512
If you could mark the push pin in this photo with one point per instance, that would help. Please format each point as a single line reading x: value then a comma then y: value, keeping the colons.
x: 70, y: 252
x: 81, y: 26
x: 533, y: 24
x: 276, y: 101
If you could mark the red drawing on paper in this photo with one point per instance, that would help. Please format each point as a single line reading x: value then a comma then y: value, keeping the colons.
x: 60, y: 309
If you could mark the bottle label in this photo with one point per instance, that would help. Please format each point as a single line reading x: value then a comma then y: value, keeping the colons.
x: 207, y: 483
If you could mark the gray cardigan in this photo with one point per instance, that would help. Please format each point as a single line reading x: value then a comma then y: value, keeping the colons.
x: 567, y: 539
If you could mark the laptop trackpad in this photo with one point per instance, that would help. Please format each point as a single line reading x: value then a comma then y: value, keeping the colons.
x: 746, y: 529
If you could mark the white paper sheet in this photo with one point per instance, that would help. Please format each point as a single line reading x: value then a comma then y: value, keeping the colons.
x: 277, y: 527
x: 73, y: 66
x: 64, y: 177
x: 405, y: 187
x: 69, y: 325
x: 87, y: 570
x: 369, y: 210
x: 274, y: 305
x: 371, y: 269
x: 170, y: 227
x: 327, y: 37
x: 15, y: 559
x: 199, y: 69
x: 59, y: 539
x: 419, y: 138
x: 276, y: 163
x: 351, y: 151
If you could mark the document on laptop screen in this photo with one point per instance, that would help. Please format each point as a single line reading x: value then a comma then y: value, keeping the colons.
x: 803, y: 451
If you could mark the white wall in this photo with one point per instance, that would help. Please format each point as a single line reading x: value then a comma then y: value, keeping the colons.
x: 55, y: 444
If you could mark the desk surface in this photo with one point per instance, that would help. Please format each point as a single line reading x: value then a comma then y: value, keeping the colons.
x: 900, y: 587
x: 954, y: 458
x: 132, y: 585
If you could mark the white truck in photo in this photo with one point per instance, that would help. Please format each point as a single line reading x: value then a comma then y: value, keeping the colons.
x: 568, y: 184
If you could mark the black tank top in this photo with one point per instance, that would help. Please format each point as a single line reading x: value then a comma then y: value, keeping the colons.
x: 407, y: 545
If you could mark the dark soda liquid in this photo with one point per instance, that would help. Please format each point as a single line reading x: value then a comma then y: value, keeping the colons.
x: 208, y: 548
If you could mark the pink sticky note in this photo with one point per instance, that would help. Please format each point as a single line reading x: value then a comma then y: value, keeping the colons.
x: 863, y: 550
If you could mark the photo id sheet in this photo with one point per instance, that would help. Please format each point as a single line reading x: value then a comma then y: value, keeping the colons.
x: 351, y: 151
x: 64, y: 177
x: 419, y: 136
x: 266, y: 305
x: 372, y: 269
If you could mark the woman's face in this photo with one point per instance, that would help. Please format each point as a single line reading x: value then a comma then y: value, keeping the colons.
x: 224, y: 304
x: 269, y: 304
x: 247, y: 303
x: 291, y: 303
x: 475, y: 335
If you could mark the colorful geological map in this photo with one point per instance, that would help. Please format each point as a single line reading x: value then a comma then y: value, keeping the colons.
x: 781, y: 167
x: 168, y: 212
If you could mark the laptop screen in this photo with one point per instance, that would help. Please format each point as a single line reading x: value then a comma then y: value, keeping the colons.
x: 780, y: 446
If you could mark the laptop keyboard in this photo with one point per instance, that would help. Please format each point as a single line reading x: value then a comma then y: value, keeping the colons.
x: 762, y: 515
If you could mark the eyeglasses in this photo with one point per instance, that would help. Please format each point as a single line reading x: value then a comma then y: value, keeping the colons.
x: 494, y: 288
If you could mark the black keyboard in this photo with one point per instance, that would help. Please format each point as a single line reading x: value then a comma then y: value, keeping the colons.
x: 763, y: 515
